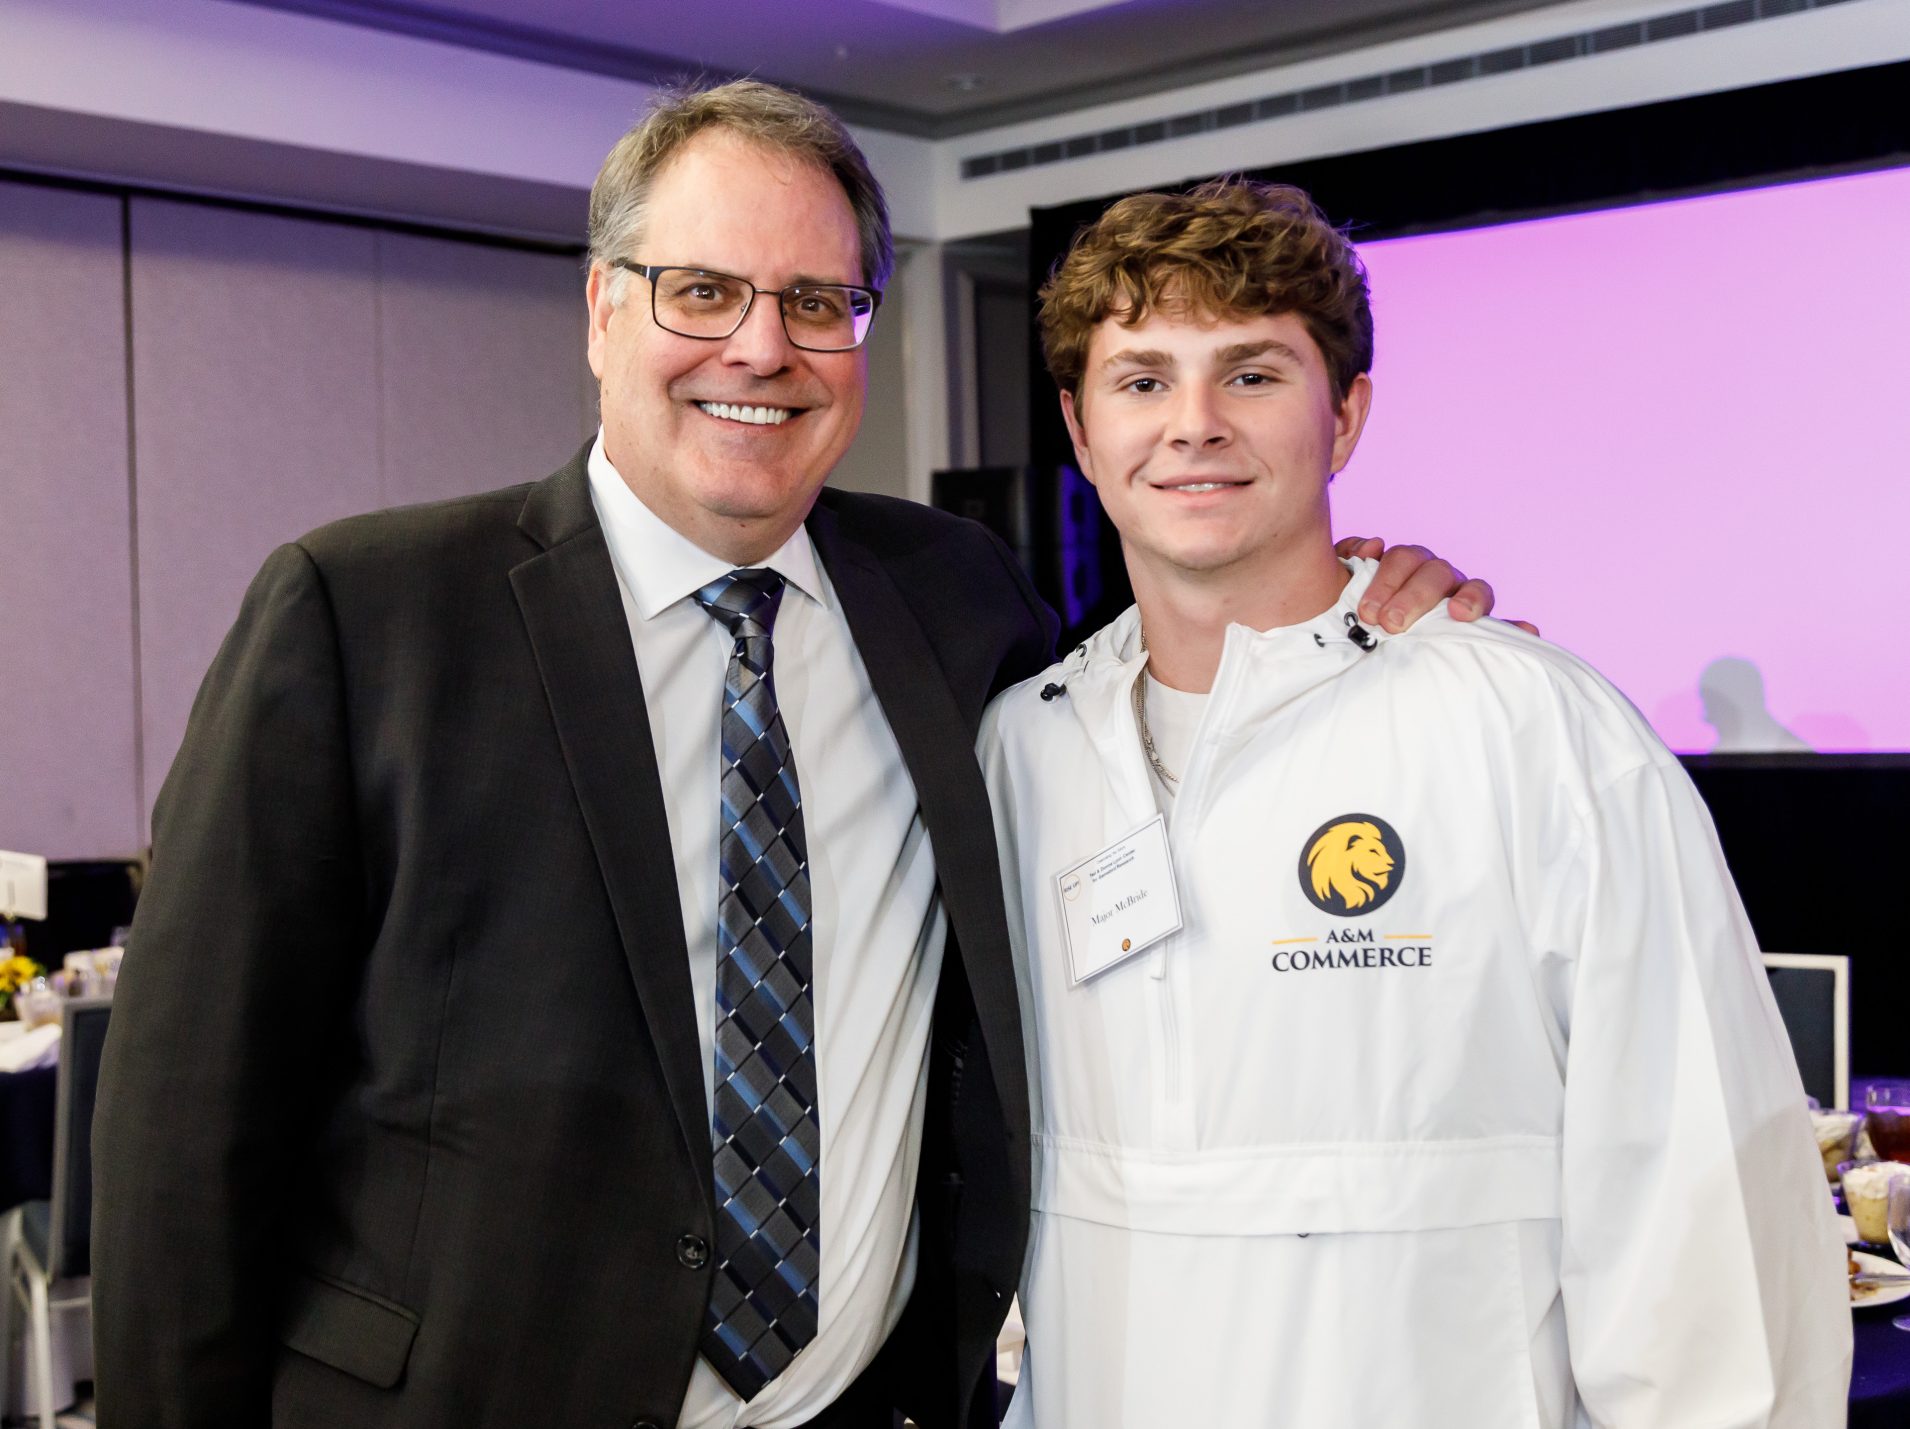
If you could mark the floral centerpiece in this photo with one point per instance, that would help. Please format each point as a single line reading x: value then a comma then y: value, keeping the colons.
x: 16, y: 971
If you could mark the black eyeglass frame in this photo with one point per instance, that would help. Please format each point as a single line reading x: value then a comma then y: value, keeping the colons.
x: 650, y: 272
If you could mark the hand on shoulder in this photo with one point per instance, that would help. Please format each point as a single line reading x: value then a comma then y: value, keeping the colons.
x: 1411, y: 580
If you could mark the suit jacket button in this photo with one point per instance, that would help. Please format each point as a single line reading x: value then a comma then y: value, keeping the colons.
x: 646, y: 1424
x: 693, y: 1251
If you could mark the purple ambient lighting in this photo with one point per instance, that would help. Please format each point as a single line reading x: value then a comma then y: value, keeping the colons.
x: 1676, y: 435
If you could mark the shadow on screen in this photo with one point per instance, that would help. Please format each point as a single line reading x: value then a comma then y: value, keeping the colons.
x: 1732, y: 692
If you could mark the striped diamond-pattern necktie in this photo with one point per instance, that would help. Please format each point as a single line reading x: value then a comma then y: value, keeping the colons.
x: 763, y: 1305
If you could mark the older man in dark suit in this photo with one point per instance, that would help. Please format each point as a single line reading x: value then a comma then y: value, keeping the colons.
x: 573, y: 987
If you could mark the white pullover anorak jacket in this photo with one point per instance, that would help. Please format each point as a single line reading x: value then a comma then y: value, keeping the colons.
x: 1482, y: 1119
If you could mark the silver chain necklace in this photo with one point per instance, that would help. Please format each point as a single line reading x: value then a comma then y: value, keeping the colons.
x: 1140, y: 718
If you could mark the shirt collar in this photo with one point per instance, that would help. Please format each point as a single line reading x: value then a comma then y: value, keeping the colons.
x: 659, y: 565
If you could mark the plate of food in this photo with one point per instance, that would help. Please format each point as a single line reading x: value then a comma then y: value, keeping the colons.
x: 1896, y: 1287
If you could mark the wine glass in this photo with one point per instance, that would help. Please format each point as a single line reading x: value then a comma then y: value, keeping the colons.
x: 1899, y: 1213
x: 1887, y: 1119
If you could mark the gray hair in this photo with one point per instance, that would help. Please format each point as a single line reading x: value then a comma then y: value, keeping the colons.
x: 761, y: 113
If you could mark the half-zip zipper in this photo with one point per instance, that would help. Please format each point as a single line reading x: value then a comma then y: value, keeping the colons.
x: 1169, y: 1084
x: 1189, y: 802
x: 1170, y: 1116
x: 1175, y: 1120
x: 1132, y: 800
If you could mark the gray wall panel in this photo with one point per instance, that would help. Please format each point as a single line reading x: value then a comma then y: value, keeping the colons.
x: 483, y: 370
x: 879, y: 460
x: 67, y: 740
x: 256, y: 405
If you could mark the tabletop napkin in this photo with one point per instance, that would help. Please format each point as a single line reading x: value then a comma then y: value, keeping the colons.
x: 38, y: 1048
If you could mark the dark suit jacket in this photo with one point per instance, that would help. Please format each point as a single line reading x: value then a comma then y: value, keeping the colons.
x: 402, y: 1117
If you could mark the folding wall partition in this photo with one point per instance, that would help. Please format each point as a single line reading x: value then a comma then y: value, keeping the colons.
x: 184, y: 386
x: 68, y: 780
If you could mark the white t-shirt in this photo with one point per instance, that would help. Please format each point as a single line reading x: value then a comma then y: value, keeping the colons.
x: 1173, y: 716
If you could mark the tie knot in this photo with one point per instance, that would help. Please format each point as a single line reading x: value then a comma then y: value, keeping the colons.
x: 744, y: 601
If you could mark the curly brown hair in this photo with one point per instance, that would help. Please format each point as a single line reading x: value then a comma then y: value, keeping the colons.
x: 1230, y: 248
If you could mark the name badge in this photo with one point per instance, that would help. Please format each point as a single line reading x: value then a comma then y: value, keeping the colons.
x: 1118, y: 902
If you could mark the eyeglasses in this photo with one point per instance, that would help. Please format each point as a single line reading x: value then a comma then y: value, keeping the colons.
x: 694, y: 302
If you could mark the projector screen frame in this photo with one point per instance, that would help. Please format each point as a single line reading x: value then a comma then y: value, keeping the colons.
x: 1852, y: 121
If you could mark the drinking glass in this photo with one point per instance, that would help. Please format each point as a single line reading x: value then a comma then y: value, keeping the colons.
x: 1836, y: 1137
x: 1900, y: 1231
x: 1887, y: 1119
x: 36, y: 1003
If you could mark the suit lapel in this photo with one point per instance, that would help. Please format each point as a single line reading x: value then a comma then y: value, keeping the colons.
x: 938, y: 750
x: 573, y: 612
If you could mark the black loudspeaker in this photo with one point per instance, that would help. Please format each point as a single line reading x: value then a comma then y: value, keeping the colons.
x: 1051, y: 518
x: 996, y: 496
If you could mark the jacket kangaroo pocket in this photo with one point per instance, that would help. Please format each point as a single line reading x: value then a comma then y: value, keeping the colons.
x: 1407, y: 1311
x: 365, y: 1335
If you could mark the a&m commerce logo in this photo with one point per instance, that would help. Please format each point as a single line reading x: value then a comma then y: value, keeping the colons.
x: 1352, y: 864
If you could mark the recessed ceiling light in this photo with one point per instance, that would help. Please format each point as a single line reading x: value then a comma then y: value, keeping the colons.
x: 964, y: 83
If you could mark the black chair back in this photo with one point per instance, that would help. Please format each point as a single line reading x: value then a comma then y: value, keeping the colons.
x: 83, y: 1037
x: 1813, y: 997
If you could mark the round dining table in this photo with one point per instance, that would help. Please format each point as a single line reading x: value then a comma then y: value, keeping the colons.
x: 1880, y: 1370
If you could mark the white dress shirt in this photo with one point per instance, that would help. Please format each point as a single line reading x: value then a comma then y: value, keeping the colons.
x: 878, y: 922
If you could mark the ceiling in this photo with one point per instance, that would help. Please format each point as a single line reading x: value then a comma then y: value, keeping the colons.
x: 930, y: 67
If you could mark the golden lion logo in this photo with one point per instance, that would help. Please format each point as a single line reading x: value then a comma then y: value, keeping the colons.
x: 1352, y: 864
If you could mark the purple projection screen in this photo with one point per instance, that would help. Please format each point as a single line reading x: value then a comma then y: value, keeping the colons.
x: 1677, y: 436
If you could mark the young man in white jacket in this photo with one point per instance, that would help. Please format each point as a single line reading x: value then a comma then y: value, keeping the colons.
x: 1400, y: 1053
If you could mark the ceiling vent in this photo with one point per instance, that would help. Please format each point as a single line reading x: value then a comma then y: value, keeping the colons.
x: 1673, y: 26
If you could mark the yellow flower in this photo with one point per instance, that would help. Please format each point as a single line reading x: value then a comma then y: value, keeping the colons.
x: 16, y: 972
